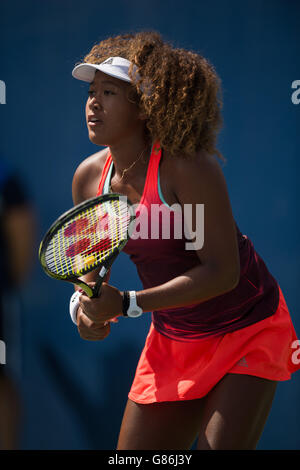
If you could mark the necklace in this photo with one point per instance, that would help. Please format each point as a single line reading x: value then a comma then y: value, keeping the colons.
x: 131, y: 166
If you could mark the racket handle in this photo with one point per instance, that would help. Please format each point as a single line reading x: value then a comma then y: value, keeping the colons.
x: 102, y: 273
x: 97, y: 287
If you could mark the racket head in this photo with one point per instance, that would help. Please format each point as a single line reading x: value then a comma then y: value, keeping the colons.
x: 88, y: 236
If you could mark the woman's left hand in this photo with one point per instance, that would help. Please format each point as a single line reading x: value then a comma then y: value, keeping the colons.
x: 103, y: 308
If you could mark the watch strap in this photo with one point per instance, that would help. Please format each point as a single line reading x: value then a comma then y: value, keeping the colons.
x: 126, y: 302
x: 133, y: 310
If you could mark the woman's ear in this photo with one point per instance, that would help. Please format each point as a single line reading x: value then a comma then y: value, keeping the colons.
x: 143, y: 116
x: 134, y: 98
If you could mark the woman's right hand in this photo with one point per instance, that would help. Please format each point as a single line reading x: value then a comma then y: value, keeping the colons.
x: 88, y: 330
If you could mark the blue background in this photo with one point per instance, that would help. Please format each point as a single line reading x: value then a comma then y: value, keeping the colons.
x: 74, y: 391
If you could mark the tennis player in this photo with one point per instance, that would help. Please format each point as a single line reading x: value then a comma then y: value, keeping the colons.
x: 221, y: 334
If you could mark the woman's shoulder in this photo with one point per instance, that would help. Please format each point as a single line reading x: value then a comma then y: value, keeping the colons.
x: 200, y: 160
x: 87, y: 176
x: 201, y: 167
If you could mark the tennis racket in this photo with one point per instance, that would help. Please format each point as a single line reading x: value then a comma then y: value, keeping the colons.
x: 88, y: 236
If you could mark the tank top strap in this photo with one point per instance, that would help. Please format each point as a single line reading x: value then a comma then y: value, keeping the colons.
x: 106, y: 169
x: 150, y: 193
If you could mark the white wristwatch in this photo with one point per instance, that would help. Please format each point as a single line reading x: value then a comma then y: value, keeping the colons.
x: 130, y: 306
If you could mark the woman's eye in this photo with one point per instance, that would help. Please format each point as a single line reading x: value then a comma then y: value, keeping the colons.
x: 92, y: 93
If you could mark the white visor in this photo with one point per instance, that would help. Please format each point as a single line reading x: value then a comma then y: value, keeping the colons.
x: 116, y: 67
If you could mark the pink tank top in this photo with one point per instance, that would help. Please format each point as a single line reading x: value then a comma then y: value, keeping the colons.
x: 159, y: 256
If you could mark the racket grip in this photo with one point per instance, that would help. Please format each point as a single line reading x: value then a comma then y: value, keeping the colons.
x: 97, y: 287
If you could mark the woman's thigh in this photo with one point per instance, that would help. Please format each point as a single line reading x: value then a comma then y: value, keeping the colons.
x: 231, y: 416
x: 235, y: 412
x: 167, y: 425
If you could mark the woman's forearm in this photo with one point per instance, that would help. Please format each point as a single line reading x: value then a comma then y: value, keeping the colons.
x: 195, y: 286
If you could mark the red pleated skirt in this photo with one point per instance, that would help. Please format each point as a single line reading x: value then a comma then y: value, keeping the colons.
x: 170, y: 370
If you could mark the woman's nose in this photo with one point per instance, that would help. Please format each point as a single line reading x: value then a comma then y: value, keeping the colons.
x: 95, y: 103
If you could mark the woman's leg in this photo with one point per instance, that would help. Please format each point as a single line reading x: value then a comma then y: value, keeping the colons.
x: 167, y: 425
x: 235, y: 412
x: 231, y: 416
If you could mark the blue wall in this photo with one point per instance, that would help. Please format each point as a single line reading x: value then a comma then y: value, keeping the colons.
x: 74, y: 391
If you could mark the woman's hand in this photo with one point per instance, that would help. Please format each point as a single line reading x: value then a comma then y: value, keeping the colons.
x: 88, y: 330
x: 94, y: 315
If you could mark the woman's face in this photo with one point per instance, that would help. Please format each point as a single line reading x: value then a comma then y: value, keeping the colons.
x: 110, y: 116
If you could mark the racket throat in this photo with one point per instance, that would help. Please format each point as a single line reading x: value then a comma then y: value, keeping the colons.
x: 87, y: 289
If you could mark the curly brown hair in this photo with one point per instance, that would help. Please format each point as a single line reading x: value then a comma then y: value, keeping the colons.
x: 178, y: 90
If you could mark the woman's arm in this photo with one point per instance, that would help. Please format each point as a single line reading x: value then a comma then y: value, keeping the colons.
x: 201, y: 181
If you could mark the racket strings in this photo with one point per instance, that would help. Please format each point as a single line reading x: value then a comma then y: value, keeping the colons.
x: 88, y: 238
